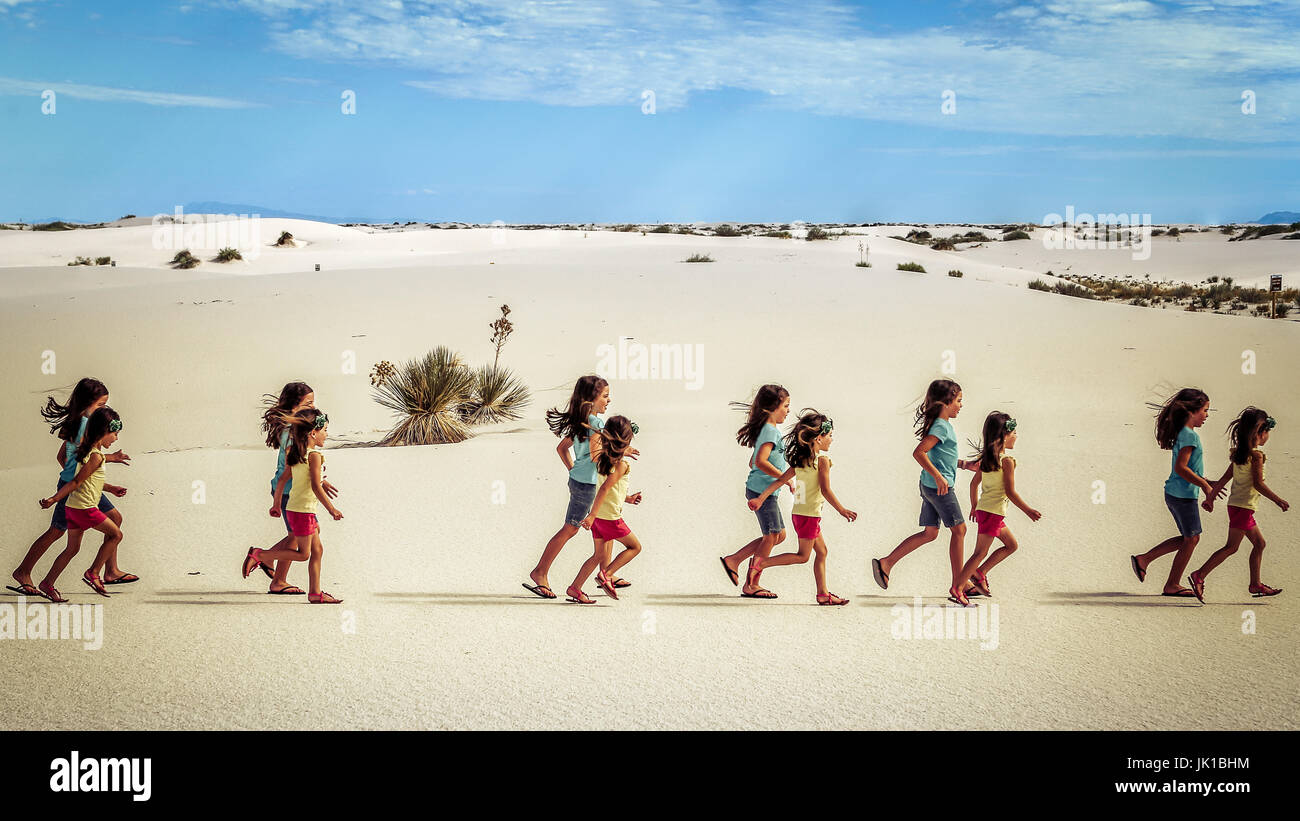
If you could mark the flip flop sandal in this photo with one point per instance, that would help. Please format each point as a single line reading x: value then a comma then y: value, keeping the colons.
x: 981, y: 582
x: 291, y: 590
x: 731, y: 574
x: 1137, y: 569
x: 92, y: 581
x: 125, y: 578
x: 621, y: 583
x: 878, y: 573
x: 23, y: 590
x: 250, y: 561
x: 267, y: 569
x: 606, y: 585
x: 758, y: 594
x: 52, y: 594
x: 1258, y: 591
x: 1198, y: 587
x: 581, y: 598
x: 320, y: 598
x: 540, y: 590
x: 956, y: 600
x: 831, y: 599
x: 1183, y: 593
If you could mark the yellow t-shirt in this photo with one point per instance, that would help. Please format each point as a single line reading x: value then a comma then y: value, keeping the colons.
x: 88, y: 492
x: 993, y: 489
x: 1244, y: 493
x: 611, y: 507
x: 302, y: 499
x: 808, y: 489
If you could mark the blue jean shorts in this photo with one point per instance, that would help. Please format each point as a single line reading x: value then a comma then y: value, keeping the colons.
x: 284, y: 503
x: 581, y: 495
x: 60, y: 518
x: 936, y: 508
x: 769, y: 515
x: 1187, y: 514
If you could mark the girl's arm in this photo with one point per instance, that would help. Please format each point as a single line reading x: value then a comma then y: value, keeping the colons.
x: 1217, y: 487
x: 1009, y: 482
x: 1190, y: 475
x: 975, y: 487
x: 314, y: 462
x: 62, y: 454
x: 278, y: 492
x: 563, y: 450
x: 922, y: 456
x: 92, y: 464
x: 824, y: 481
x: 1257, y: 477
x: 755, y: 504
x: 761, y: 460
x: 614, y: 476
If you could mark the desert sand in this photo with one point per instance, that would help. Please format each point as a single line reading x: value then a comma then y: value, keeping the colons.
x: 436, y: 632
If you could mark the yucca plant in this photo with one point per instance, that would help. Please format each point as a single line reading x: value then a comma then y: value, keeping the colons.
x: 431, y: 397
x: 498, y: 396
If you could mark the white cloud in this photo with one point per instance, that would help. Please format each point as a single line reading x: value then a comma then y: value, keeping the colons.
x: 12, y: 87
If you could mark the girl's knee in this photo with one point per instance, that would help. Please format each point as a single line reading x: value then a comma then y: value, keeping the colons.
x: 960, y: 530
x: 929, y: 534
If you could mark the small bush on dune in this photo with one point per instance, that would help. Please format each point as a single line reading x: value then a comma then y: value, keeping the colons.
x: 287, y: 239
x: 862, y: 264
x: 662, y: 229
x: 498, y: 396
x: 725, y: 230
x: 943, y: 245
x: 1014, y: 235
x: 685, y: 229
x: 955, y: 273
x: 228, y: 255
x: 911, y: 266
x: 698, y: 258
x: 1039, y: 285
x: 776, y: 234
x: 81, y: 261
x: 816, y: 232
x: 57, y: 225
x: 184, y: 259
x: 627, y: 229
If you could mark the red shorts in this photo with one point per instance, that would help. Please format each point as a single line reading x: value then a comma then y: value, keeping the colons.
x: 91, y: 516
x: 990, y: 524
x: 806, y: 527
x: 1241, y: 518
x: 606, y: 529
x: 302, y: 524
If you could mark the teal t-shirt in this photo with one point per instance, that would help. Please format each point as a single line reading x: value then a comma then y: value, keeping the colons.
x: 69, y: 471
x: 280, y: 464
x: 1176, y: 485
x: 584, y: 470
x: 943, y: 455
x: 758, y: 479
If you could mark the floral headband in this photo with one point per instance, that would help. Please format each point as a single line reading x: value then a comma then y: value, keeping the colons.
x: 321, y: 421
x: 1011, y: 425
x: 635, y: 428
x: 1270, y: 423
x: 827, y: 427
x: 114, y: 426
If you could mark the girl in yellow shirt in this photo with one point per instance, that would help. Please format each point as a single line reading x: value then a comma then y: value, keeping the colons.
x: 613, y: 444
x: 806, y: 450
x: 1248, y: 433
x: 305, y: 465
x: 995, y: 480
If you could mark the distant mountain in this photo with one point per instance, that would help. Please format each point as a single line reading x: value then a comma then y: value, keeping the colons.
x: 1276, y: 217
x: 235, y: 208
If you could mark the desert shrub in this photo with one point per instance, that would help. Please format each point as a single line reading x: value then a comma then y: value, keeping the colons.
x: 918, y: 235
x: 57, y: 225
x: 1014, y: 235
x: 862, y: 264
x: 81, y: 261
x: 911, y: 266
x: 498, y: 396
x: 975, y: 236
x: 627, y: 229
x: 1282, y: 310
x: 227, y: 255
x: 662, y: 229
x: 776, y: 234
x: 184, y: 259
x: 1173, y: 232
x: 955, y: 273
x: 685, y: 229
x: 698, y: 258
x: 287, y: 239
x: 1072, y: 289
x: 103, y: 260
x: 817, y: 233
x: 726, y: 230
x: 943, y: 245
x: 1039, y: 285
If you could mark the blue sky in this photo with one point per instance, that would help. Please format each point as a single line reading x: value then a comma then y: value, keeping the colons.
x: 532, y: 111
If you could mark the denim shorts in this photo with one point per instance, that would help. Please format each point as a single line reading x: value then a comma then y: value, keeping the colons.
x: 284, y: 503
x: 60, y: 518
x: 1187, y: 514
x: 581, y: 495
x: 936, y: 508
x: 769, y: 515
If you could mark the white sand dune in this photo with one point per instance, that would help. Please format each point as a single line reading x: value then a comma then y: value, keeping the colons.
x: 430, y: 565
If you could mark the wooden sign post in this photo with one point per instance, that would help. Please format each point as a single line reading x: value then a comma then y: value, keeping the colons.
x: 1274, y: 286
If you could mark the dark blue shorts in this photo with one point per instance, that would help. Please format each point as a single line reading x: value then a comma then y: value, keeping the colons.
x: 284, y: 502
x: 60, y: 518
x: 769, y: 515
x: 1187, y: 514
x: 581, y: 496
x: 936, y: 508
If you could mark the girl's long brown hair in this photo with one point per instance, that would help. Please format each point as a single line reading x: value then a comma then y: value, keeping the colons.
x: 299, y: 424
x: 65, y: 419
x: 96, y: 429
x: 1242, y: 430
x: 615, y: 439
x: 995, y: 430
x: 768, y: 399
x: 941, y: 392
x: 572, y: 421
x: 1174, y: 413
x: 799, y: 441
x: 290, y: 395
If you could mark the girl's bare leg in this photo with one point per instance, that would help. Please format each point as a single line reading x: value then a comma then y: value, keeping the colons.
x: 1009, y: 546
x: 906, y: 546
x: 1174, y: 582
x: 61, y: 561
x: 313, y: 564
x: 735, y: 560
x: 598, y: 557
x: 23, y: 575
x: 299, y: 552
x: 553, y: 548
x: 757, y: 560
x: 799, y: 556
x: 982, y: 542
x: 111, y: 569
x: 1219, y: 556
x: 1257, y: 554
x: 819, y: 564
x: 112, y: 538
x: 1167, y: 546
x: 631, y: 549
x: 956, y: 548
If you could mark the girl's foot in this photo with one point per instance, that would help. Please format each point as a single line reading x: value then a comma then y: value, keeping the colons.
x: 757, y: 593
x: 620, y: 583
x: 878, y: 573
x: 124, y: 578
x: 732, y: 573
x: 981, y: 583
x: 1198, y: 586
x: 267, y: 569
x: 972, y: 590
x: 1139, y: 569
x: 1262, y: 589
x: 606, y: 585
x: 540, y: 590
x: 1180, y: 593
x: 48, y: 591
x: 322, y: 598
x: 576, y: 596
x: 252, y: 560
x: 286, y: 590
x: 958, y: 597
x: 94, y: 583
x: 830, y: 598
